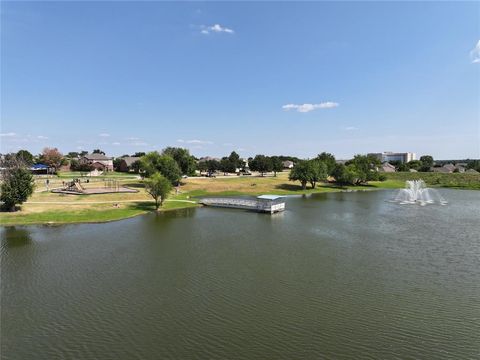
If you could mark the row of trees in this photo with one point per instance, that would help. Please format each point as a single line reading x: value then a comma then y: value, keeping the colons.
x: 424, y: 164
x: 359, y: 170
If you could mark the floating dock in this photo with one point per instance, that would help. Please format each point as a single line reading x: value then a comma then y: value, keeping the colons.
x: 263, y: 203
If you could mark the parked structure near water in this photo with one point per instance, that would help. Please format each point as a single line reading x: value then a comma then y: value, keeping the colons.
x: 263, y: 203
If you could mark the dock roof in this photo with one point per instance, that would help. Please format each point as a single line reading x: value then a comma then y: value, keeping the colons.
x: 269, y: 197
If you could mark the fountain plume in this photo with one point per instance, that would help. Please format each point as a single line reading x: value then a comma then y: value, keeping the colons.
x: 416, y: 192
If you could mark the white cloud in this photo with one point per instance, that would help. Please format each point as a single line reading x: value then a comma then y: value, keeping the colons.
x: 139, y: 143
x: 132, y: 138
x: 217, y: 28
x: 195, y: 141
x: 227, y: 144
x: 115, y: 143
x: 10, y: 134
x: 349, y: 128
x: 41, y: 137
x: 475, y: 53
x: 304, y: 108
x: 104, y: 135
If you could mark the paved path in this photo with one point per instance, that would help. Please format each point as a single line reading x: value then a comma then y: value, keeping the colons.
x: 100, y: 202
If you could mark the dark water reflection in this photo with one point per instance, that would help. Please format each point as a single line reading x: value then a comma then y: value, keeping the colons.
x: 346, y: 275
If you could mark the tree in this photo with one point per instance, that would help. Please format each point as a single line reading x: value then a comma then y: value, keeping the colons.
x: 98, y: 151
x: 117, y: 163
x: 427, y: 162
x: 17, y: 184
x: 234, y: 158
x: 261, y: 163
x: 212, y: 166
x: 136, y: 166
x: 137, y: 154
x: 26, y: 157
x: 414, y: 164
x: 318, y: 172
x: 227, y: 166
x: 329, y: 160
x: 345, y: 174
x: 202, y: 166
x: 301, y: 172
x: 166, y: 165
x: 51, y: 157
x: 73, y: 155
x: 158, y: 186
x: 185, y: 161
x: 364, y: 168
x: 277, y: 164
x: 473, y: 164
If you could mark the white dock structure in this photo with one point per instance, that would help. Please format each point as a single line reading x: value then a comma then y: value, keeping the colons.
x: 263, y: 203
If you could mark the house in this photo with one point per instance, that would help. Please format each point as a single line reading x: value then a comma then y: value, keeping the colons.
x: 442, y: 169
x: 288, y: 164
x: 449, y: 167
x: 126, y: 163
x: 98, y: 161
x: 471, y: 171
x: 386, y: 167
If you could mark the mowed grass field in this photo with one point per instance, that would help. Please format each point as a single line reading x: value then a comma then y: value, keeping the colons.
x: 45, y: 207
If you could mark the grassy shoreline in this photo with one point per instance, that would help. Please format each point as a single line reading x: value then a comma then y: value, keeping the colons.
x: 46, y: 208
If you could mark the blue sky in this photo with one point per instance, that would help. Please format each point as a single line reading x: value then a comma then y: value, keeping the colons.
x: 255, y: 77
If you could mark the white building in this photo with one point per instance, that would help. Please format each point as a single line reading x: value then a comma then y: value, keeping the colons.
x: 388, y: 156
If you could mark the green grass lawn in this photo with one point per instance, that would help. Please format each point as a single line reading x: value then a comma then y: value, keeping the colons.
x: 452, y: 180
x: 79, y: 208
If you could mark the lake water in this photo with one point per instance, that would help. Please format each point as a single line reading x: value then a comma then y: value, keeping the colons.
x: 345, y: 275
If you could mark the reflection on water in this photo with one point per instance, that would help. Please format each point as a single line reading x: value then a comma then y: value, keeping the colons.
x: 340, y: 275
x: 15, y: 237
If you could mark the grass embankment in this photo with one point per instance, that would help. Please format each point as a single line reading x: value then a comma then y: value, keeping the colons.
x: 45, y: 207
x: 449, y: 180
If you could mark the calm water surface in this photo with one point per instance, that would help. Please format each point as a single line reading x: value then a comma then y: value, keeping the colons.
x: 345, y: 275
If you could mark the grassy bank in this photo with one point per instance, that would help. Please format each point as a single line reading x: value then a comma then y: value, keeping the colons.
x: 452, y: 180
x: 45, y: 207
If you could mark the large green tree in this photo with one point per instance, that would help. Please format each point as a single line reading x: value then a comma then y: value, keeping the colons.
x: 159, y: 187
x: 26, y: 157
x: 166, y: 165
x: 277, y: 164
x: 185, y: 161
x: 301, y: 172
x: 17, y: 183
x: 329, y: 160
x: 261, y: 163
x: 318, y: 172
x: 427, y: 162
x: 227, y: 166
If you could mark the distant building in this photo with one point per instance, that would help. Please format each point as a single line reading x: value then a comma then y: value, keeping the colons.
x: 471, y: 171
x: 98, y: 161
x: 388, y: 156
x: 126, y: 163
x: 288, y: 164
x: 386, y: 167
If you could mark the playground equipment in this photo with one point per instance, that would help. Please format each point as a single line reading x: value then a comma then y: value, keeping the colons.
x: 111, y: 184
x: 74, y: 186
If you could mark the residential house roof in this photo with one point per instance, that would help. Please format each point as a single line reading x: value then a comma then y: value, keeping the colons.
x: 97, y: 157
x: 129, y: 160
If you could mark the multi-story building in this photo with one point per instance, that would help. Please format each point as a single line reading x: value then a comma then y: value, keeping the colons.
x: 388, y: 156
